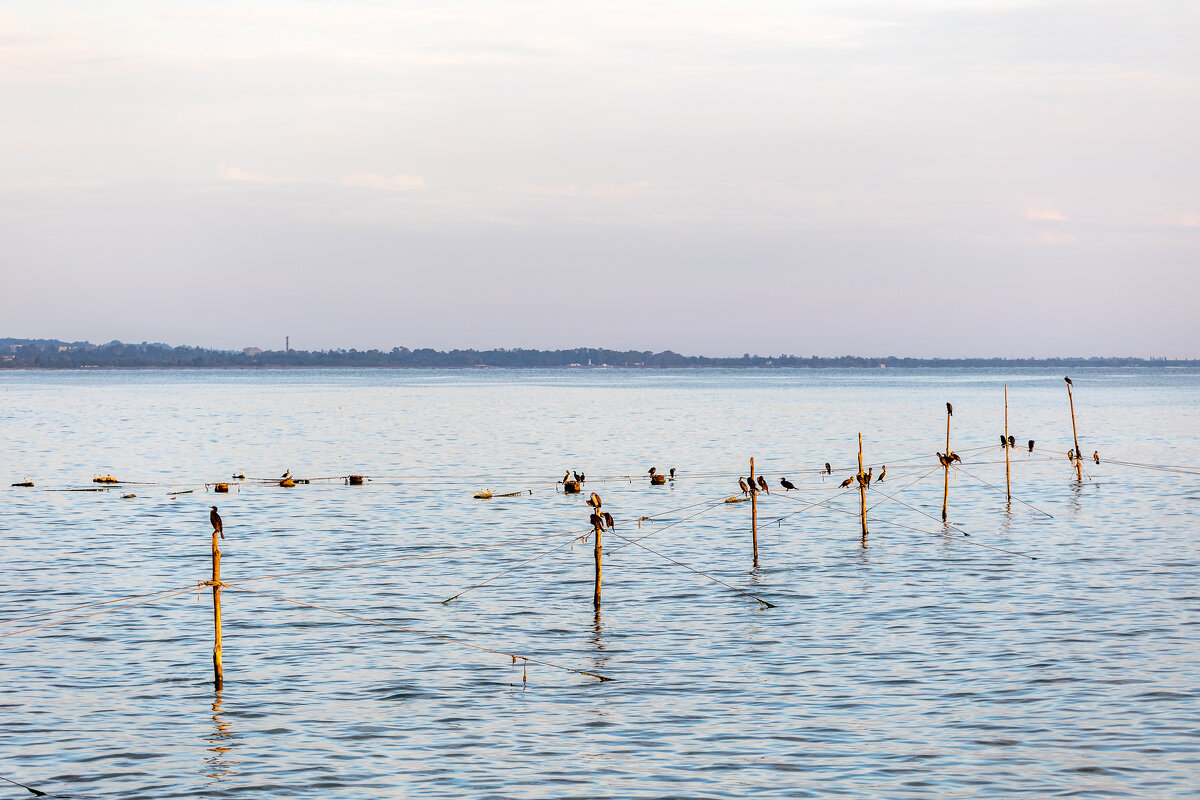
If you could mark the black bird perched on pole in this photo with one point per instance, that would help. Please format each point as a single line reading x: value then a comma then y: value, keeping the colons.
x: 215, y: 519
x: 846, y: 483
x: 867, y: 477
x: 1031, y: 445
x: 1003, y: 441
x: 786, y: 484
x: 608, y: 520
x: 882, y: 472
x: 762, y: 482
x: 949, y: 410
x: 954, y: 457
x: 597, y: 522
x: 745, y: 488
x: 594, y: 501
x: 1012, y: 442
x: 1068, y: 380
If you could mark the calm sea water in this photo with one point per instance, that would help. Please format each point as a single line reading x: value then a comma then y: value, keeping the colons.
x: 921, y: 663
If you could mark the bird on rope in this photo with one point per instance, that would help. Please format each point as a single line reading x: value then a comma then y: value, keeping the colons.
x: 608, y: 520
x: 786, y: 484
x: 581, y: 477
x: 745, y: 488
x: 828, y: 469
x: 762, y: 482
x: 1003, y: 441
x: 846, y: 483
x: 1071, y: 454
x: 867, y: 477
x: 672, y: 473
x: 954, y: 457
x: 215, y: 519
x: 1031, y: 445
x: 1096, y: 456
x: 594, y: 501
x: 949, y: 410
x: 882, y: 472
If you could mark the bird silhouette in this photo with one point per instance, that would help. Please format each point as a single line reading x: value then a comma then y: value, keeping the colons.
x: 762, y: 482
x: 954, y: 457
x: 942, y: 460
x: 1071, y: 454
x: 566, y: 476
x: 1068, y: 380
x: 1003, y: 441
x: 1031, y: 445
x: 652, y: 471
x: 287, y: 473
x: 215, y: 519
x: 608, y: 520
x: 594, y: 500
x: 581, y: 477
x: 672, y: 473
x: 1012, y: 441
x: 1096, y: 456
x: 870, y: 471
x: 745, y: 488
x: 882, y: 472
x: 949, y: 410
x: 846, y: 483
x: 786, y: 484
x: 596, y: 521
x: 828, y: 469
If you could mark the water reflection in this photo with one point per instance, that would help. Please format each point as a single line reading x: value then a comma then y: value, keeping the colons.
x: 219, y: 766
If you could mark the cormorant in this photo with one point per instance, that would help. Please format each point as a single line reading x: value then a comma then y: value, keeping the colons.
x: 1003, y: 441
x: 581, y: 477
x: 762, y: 482
x: 870, y: 472
x: 786, y: 484
x: 215, y: 519
x: 949, y: 410
x: 846, y: 483
x: 1096, y: 456
x: 1012, y: 442
x: 1031, y: 445
x: 954, y: 457
x: 594, y: 500
x: 672, y: 473
x: 287, y: 473
x: 608, y: 520
x: 566, y: 476
x: 597, y: 522
x: 945, y: 462
x: 828, y: 469
x: 1068, y: 380
x: 1071, y: 454
x: 652, y: 471
x: 745, y: 488
x: 882, y: 472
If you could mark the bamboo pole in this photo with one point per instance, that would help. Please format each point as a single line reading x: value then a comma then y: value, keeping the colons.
x: 946, y: 465
x: 1007, y: 473
x: 753, y: 513
x: 218, y: 668
x: 596, y: 596
x: 1075, y: 433
x: 862, y: 488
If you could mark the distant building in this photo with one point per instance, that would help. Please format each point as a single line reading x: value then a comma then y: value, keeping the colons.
x: 252, y: 351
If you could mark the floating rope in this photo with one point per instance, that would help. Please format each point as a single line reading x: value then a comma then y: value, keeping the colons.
x: 97, y: 613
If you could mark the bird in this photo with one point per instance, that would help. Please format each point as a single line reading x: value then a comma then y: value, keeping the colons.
x: 762, y: 482
x: 949, y: 410
x: 594, y: 500
x: 1096, y: 456
x: 828, y: 469
x: 566, y: 476
x: 954, y: 457
x: 1031, y: 445
x: 870, y: 471
x: 581, y: 477
x: 1012, y: 442
x: 1071, y: 454
x: 846, y: 483
x: 652, y: 471
x: 287, y: 473
x: 945, y: 462
x: 786, y: 484
x: 215, y: 519
x: 882, y: 472
x: 597, y: 522
x: 1003, y: 441
x: 745, y: 488
x: 1068, y: 380
x: 608, y: 520
x: 672, y: 473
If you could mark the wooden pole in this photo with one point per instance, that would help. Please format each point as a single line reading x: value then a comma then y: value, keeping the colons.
x: 946, y: 465
x: 1075, y: 433
x: 1007, y: 473
x: 218, y: 669
x: 596, y: 596
x: 753, y: 513
x: 862, y: 488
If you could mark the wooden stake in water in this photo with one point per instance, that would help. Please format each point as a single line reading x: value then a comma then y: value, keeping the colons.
x: 753, y: 513
x: 862, y: 488
x: 1075, y: 433
x: 1007, y: 474
x: 946, y: 463
x: 218, y: 669
x: 596, y: 596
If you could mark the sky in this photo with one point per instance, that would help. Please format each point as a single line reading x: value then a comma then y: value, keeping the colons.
x: 969, y: 178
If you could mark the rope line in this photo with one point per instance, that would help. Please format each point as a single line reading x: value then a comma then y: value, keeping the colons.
x: 998, y: 489
x: 89, y: 605
x: 97, y: 613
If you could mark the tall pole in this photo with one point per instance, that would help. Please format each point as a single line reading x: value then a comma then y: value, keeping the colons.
x: 946, y: 464
x: 753, y: 512
x: 862, y: 488
x: 596, y: 596
x: 1007, y: 474
x: 218, y: 669
x: 1075, y: 433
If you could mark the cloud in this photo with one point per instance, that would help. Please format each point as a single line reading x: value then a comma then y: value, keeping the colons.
x: 393, y: 183
x: 1044, y: 213
x: 238, y: 174
x: 597, y: 190
x: 1188, y: 219
x: 1057, y: 238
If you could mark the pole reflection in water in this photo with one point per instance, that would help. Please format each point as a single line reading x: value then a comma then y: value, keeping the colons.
x: 219, y: 766
x: 599, y: 657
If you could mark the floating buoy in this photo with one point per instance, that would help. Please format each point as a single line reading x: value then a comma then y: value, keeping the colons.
x: 355, y: 480
x: 104, y: 479
x: 128, y: 496
x: 287, y: 483
x: 736, y: 499
x: 223, y: 488
x: 571, y: 487
x: 25, y: 482
x: 484, y: 495
x: 240, y: 476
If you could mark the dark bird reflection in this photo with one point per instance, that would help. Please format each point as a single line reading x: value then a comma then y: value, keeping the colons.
x: 219, y: 766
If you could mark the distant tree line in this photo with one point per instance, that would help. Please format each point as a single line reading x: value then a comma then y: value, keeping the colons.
x: 54, y: 354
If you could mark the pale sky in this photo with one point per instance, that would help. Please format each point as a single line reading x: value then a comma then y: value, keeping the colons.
x: 871, y: 178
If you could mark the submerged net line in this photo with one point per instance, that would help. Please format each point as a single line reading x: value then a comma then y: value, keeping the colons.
x: 438, y: 637
x: 89, y: 605
x: 157, y: 596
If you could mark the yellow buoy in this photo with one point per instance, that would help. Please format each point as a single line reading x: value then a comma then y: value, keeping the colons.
x: 484, y: 495
x: 287, y: 483
x: 222, y: 488
x: 355, y: 480
x: 571, y: 487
